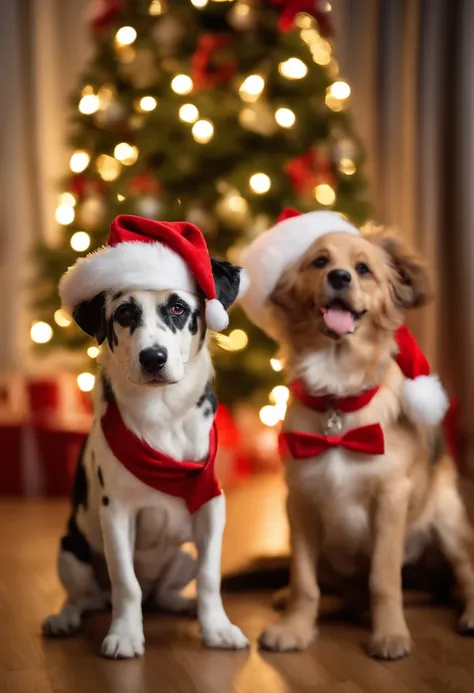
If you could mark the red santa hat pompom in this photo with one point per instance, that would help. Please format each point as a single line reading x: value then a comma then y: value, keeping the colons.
x: 151, y: 255
x: 277, y: 249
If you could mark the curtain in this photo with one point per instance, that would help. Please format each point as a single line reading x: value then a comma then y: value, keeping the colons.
x: 410, y: 64
x: 43, y: 45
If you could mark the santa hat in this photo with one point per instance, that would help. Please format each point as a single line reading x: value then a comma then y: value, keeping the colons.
x: 149, y: 255
x: 279, y: 248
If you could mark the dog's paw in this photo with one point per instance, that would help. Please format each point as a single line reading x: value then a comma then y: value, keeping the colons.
x: 466, y: 624
x: 224, y: 637
x: 389, y: 646
x: 287, y: 637
x: 123, y: 646
x: 66, y: 622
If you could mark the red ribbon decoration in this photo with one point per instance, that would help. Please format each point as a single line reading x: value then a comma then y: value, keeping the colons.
x: 203, y: 73
x: 103, y: 12
x: 366, y: 440
x: 290, y: 8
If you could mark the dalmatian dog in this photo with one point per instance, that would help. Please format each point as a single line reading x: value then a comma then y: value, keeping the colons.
x: 145, y: 485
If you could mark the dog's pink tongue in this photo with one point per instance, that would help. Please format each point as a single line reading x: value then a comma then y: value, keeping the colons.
x: 338, y: 320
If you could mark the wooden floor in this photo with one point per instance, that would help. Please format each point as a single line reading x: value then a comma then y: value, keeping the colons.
x: 175, y: 661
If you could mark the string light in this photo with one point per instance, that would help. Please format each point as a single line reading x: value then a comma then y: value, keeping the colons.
x: 65, y: 214
x: 280, y: 408
x: 324, y: 194
x: 269, y: 416
x: 67, y: 199
x: 126, y: 153
x: 203, y: 131
x: 235, y: 341
x: 120, y: 197
x: 276, y: 364
x: 125, y: 36
x: 86, y: 382
x: 41, y: 332
x: 61, y: 318
x: 80, y: 241
x: 108, y: 167
x: 260, y: 183
x: 106, y: 95
x: 148, y: 103
x: 188, y: 113
x: 334, y: 104
x: 339, y: 90
x: 156, y: 8
x: 237, y: 204
x: 347, y: 166
x: 199, y: 3
x: 251, y: 88
x: 293, y: 68
x: 182, y: 84
x: 93, y: 352
x: 303, y: 20
x: 285, y: 117
x: 79, y: 161
x: 89, y: 104
x: 280, y: 393
x: 321, y: 53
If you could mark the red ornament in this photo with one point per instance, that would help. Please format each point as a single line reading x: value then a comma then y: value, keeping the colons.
x: 309, y: 170
x: 144, y: 184
x: 211, y: 64
x: 102, y: 12
x: 290, y: 8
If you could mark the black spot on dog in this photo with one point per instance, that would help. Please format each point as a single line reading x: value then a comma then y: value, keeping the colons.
x: 112, y: 338
x: 194, y: 321
x: 90, y: 316
x: 100, y: 476
x: 129, y: 314
x: 109, y: 395
x: 207, y: 413
x: 226, y: 280
x: 75, y: 542
x: 208, y: 396
x: 174, y: 322
x: 117, y: 295
x: 105, y: 500
x: 79, y: 493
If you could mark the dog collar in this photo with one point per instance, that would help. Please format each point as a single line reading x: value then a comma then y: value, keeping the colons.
x: 367, y: 440
x: 344, y: 405
x: 195, y: 482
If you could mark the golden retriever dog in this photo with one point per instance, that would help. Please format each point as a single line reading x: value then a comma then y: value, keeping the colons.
x: 336, y: 310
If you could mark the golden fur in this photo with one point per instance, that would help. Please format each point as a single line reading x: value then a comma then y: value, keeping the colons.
x: 352, y: 509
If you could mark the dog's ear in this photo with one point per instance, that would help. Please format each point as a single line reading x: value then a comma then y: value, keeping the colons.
x: 90, y: 316
x: 230, y: 281
x: 411, y: 284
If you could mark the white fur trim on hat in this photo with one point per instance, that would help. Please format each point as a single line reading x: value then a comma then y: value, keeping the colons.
x: 130, y: 265
x: 425, y: 401
x: 216, y: 315
x: 275, y: 250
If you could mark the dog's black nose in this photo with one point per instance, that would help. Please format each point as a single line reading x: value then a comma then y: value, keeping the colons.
x: 339, y: 279
x: 153, y: 359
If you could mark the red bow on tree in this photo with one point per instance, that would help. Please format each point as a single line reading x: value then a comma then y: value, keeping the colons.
x: 308, y: 170
x: 212, y: 64
x: 366, y: 439
x: 290, y: 8
x: 144, y: 184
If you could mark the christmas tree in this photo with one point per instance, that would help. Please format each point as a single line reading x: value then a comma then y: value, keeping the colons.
x: 218, y: 112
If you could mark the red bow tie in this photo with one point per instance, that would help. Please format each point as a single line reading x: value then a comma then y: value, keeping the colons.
x: 366, y: 439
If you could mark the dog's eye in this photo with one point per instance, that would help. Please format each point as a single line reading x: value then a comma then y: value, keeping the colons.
x: 177, y: 309
x: 320, y: 262
x: 124, y: 315
x: 362, y: 268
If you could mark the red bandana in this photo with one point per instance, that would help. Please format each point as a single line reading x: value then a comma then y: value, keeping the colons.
x: 194, y: 482
x: 366, y: 439
x: 327, y: 402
